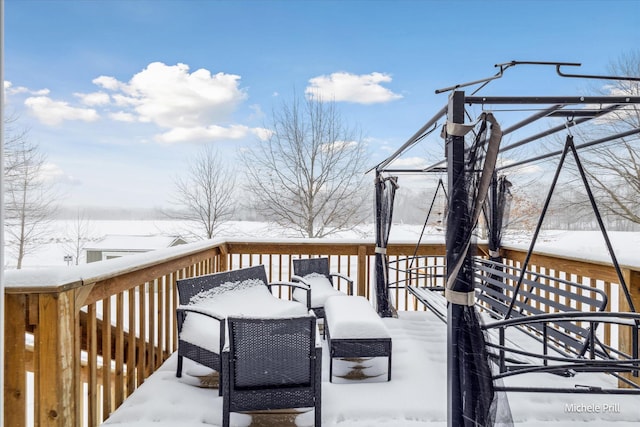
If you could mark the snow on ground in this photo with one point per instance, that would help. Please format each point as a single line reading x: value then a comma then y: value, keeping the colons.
x: 415, y: 396
x: 582, y: 245
x: 576, y: 244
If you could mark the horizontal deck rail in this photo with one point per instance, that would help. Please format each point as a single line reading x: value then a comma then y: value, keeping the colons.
x: 79, y: 340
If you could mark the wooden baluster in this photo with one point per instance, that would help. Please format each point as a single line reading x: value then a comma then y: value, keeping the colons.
x: 119, y: 356
x: 106, y: 358
x: 131, y: 342
x: 92, y: 361
x: 15, y: 360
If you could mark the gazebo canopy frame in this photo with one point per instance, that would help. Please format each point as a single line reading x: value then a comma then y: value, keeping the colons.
x: 576, y: 110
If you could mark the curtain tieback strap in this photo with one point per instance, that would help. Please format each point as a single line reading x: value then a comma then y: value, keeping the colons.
x: 380, y: 250
x: 494, y: 254
x: 460, y: 298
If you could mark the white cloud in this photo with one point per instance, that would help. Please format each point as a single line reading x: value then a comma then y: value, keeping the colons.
x: 361, y: 89
x: 410, y: 163
x: 184, y: 105
x: 52, y: 173
x: 13, y: 90
x: 262, y: 133
x: 107, y: 82
x: 171, y: 97
x: 203, y: 133
x: 123, y: 100
x: 53, y: 112
x: 122, y: 116
x: 94, y: 98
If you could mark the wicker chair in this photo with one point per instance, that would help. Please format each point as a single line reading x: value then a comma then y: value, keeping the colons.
x: 272, y: 364
x: 304, y: 271
x: 213, y: 323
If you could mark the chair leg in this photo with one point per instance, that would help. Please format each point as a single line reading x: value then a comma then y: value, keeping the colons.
x: 226, y: 397
x: 317, y: 411
x: 179, y: 370
x: 318, y: 416
x: 225, y: 416
x: 330, y: 368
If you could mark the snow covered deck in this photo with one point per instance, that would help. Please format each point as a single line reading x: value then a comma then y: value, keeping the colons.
x: 416, y: 395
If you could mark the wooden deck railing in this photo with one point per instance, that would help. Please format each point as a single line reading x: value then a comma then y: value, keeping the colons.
x: 79, y: 341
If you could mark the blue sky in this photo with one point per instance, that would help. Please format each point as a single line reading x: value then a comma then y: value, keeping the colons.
x: 120, y: 94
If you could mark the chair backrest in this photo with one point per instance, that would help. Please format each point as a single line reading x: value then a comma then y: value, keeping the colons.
x: 302, y: 267
x: 189, y: 287
x: 271, y: 353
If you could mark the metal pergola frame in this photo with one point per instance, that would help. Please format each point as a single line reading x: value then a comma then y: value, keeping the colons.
x: 453, y: 165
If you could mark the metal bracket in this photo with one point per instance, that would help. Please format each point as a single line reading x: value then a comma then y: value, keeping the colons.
x: 505, y: 65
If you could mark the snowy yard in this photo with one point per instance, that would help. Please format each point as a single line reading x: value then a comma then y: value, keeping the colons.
x: 416, y: 395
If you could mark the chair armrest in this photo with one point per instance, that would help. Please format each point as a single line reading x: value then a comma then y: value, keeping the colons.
x: 295, y: 278
x: 182, y: 310
x: 302, y: 285
x: 347, y: 278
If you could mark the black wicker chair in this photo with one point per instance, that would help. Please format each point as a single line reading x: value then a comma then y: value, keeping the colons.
x: 190, y: 288
x: 272, y: 364
x: 317, y: 266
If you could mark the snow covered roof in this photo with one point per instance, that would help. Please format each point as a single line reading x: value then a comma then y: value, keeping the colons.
x: 118, y: 242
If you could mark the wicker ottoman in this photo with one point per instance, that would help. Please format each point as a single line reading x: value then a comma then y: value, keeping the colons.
x: 354, y: 329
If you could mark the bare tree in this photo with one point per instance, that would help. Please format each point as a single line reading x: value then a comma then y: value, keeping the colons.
x: 309, y: 174
x: 205, y: 195
x: 614, y: 169
x: 78, y: 233
x: 30, y: 201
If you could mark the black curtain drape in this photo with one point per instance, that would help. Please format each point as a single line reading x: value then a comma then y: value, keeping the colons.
x: 472, y: 399
x: 499, y: 207
x: 385, y: 194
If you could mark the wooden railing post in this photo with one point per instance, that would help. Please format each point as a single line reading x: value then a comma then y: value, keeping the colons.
x: 362, y: 271
x: 15, y: 387
x: 224, y: 258
x: 54, y: 356
x: 625, y: 338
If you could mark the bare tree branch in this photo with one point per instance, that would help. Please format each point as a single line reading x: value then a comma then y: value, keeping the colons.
x: 30, y: 200
x: 205, y: 195
x: 614, y: 169
x: 77, y: 235
x: 309, y: 175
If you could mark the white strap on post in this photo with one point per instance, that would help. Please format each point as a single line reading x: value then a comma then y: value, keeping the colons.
x: 460, y: 298
x: 461, y: 129
x: 380, y: 250
x: 494, y: 254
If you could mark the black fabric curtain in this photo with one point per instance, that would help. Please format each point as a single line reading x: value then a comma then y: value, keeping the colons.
x: 385, y: 194
x: 499, y: 207
x: 470, y: 373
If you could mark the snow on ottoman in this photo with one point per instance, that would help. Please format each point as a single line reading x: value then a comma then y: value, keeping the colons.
x: 321, y: 289
x: 354, y: 329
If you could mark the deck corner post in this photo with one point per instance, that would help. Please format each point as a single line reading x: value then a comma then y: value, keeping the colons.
x: 55, y: 360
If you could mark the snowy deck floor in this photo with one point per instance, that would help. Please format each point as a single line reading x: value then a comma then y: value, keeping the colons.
x: 416, y: 395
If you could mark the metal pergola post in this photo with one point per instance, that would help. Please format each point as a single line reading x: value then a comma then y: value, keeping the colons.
x: 457, y: 227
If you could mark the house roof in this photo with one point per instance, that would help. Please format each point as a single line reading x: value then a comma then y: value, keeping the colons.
x: 118, y: 242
